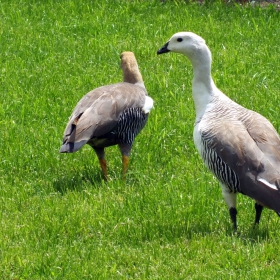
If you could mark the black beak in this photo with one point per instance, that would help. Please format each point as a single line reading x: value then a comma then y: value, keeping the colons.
x: 164, y: 49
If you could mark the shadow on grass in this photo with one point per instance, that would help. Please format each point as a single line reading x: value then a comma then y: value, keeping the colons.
x: 198, y: 230
x: 249, y: 235
x: 175, y: 231
x: 79, y: 182
x: 191, y: 230
x: 255, y: 235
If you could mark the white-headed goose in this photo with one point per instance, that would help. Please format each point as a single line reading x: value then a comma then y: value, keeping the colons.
x: 110, y: 115
x: 239, y: 146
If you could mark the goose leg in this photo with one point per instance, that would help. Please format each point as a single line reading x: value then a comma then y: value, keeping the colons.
x: 230, y: 199
x: 259, y: 209
x: 125, y: 162
x: 125, y: 151
x: 233, y: 214
x: 102, y: 161
x: 103, y: 165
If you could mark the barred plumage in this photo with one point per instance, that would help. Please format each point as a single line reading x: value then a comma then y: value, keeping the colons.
x: 220, y: 169
x: 131, y: 122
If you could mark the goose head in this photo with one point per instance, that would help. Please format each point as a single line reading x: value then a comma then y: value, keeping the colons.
x: 195, y: 49
x: 189, y: 44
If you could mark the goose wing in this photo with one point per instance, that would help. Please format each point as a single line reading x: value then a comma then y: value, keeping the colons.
x: 244, y: 152
x: 98, y: 112
x: 265, y: 136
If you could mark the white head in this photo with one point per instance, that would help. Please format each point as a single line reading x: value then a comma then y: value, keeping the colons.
x: 194, y: 47
x: 189, y: 44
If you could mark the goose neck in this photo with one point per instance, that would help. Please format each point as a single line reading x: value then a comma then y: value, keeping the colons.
x: 203, y: 91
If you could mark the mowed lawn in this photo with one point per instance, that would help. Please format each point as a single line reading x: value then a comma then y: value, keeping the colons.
x: 168, y: 220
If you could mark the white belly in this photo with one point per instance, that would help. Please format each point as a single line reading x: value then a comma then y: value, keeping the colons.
x: 197, y: 138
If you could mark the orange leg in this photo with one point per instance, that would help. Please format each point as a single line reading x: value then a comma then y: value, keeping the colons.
x: 125, y: 161
x: 103, y: 165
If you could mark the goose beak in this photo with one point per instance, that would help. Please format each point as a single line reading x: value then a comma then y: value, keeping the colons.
x: 164, y: 49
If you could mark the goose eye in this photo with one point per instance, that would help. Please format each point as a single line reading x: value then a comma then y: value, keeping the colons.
x: 179, y: 40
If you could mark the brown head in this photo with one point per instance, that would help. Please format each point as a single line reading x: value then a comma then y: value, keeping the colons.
x: 131, y: 73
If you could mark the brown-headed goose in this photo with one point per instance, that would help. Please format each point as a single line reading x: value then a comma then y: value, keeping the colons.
x: 239, y: 146
x: 110, y: 115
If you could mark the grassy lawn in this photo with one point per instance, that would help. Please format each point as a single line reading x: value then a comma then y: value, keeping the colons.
x: 59, y: 219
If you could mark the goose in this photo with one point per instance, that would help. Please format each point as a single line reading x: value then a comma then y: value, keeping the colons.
x: 239, y: 146
x: 110, y: 115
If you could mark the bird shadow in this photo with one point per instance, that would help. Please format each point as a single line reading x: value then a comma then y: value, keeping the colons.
x: 249, y: 235
x: 79, y: 182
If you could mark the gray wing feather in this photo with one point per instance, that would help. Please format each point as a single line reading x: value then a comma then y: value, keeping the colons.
x: 250, y: 156
x: 98, y: 111
x: 265, y: 137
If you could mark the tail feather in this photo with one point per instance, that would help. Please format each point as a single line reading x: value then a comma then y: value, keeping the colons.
x: 70, y: 147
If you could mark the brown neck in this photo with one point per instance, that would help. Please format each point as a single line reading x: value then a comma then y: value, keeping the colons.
x: 131, y: 73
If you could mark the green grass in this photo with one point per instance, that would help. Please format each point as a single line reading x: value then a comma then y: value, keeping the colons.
x: 59, y: 219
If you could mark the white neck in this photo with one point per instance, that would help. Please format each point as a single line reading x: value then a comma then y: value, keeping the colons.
x: 203, y: 87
